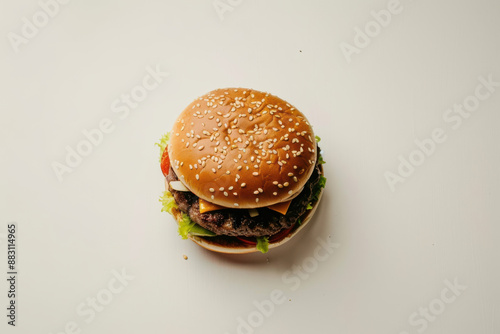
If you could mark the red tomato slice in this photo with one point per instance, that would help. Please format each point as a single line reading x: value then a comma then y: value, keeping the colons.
x: 165, y: 162
x: 248, y: 241
x: 280, y: 235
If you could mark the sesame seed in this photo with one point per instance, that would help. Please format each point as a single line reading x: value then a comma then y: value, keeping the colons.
x: 256, y: 192
x: 221, y: 189
x: 212, y: 197
x: 275, y: 193
x: 257, y: 200
x: 295, y: 179
x: 230, y: 188
x: 197, y: 177
x: 236, y: 204
x: 290, y: 192
x: 260, y: 190
x: 235, y: 194
x: 243, y: 185
x: 211, y: 190
x: 226, y: 194
x: 213, y: 170
x: 280, y: 185
x: 255, y: 173
x: 201, y: 147
x: 286, y: 184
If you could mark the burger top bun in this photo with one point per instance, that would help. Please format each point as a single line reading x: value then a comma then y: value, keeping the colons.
x: 241, y: 148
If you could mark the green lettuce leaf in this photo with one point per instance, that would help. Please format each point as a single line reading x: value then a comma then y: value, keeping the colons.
x: 317, y: 188
x: 168, y: 202
x: 162, y: 144
x: 186, y: 225
x: 200, y: 231
x: 318, y: 139
x: 189, y: 227
x: 309, y: 206
x: 263, y: 244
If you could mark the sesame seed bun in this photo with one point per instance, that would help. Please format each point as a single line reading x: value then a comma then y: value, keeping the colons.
x: 232, y: 245
x: 242, y: 148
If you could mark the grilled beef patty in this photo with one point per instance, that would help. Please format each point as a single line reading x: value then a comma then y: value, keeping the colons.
x: 237, y: 222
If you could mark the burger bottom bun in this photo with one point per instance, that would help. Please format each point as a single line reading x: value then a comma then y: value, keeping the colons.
x: 232, y: 245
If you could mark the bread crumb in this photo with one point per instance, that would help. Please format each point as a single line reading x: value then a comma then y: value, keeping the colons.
x: 185, y: 257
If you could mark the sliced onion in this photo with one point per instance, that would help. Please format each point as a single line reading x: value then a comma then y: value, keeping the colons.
x: 253, y: 212
x: 177, y: 185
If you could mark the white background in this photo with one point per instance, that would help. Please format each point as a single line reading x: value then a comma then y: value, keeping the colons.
x: 396, y: 248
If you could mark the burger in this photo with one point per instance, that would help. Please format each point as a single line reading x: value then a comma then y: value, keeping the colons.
x: 243, y: 171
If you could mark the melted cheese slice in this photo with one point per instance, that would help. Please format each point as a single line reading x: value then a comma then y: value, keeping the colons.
x: 281, y: 207
x: 207, y: 206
